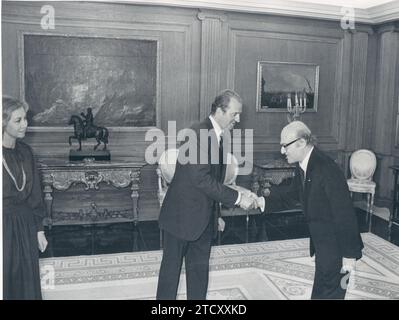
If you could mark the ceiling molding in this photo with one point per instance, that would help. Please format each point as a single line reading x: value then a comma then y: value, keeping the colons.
x: 385, y: 12
x: 371, y: 14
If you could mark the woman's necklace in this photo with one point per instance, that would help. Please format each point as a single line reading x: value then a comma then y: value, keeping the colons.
x: 13, y: 178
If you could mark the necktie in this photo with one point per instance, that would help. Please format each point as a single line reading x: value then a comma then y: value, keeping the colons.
x: 221, y: 156
x: 221, y: 150
x: 302, y: 176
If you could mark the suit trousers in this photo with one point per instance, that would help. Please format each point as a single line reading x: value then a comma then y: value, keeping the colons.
x: 329, y: 282
x: 196, y: 254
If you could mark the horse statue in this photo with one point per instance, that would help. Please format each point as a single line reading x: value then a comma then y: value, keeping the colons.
x: 81, y: 132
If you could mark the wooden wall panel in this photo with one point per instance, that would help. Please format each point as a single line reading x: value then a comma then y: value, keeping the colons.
x: 266, y: 38
x: 178, y: 32
x: 178, y: 38
x: 305, y: 50
x: 386, y: 81
x: 386, y: 107
x: 211, y: 58
x: 356, y: 110
x: 202, y: 52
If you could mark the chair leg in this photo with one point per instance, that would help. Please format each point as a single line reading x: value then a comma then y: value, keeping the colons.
x: 370, y: 209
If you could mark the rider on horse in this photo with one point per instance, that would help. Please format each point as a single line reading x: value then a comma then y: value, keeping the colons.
x: 85, y: 129
x: 87, y: 122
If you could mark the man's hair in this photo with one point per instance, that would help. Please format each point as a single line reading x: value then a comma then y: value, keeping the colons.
x: 308, y: 137
x: 11, y: 104
x: 302, y: 131
x: 222, y: 100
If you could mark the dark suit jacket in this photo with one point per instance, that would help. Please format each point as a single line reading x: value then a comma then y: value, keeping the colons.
x: 195, y: 191
x: 327, y: 207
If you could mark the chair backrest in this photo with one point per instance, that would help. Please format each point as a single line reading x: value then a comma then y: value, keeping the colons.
x: 363, y: 164
x: 231, y: 169
x: 168, y: 159
x: 166, y: 171
x: 167, y: 164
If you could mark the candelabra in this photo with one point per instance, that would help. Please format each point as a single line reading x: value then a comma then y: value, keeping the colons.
x: 294, y: 111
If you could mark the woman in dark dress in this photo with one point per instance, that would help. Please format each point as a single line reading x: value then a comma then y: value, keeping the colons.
x: 23, y: 209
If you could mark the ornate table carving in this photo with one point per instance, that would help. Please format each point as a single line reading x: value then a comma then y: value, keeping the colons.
x: 268, y: 173
x: 61, y: 175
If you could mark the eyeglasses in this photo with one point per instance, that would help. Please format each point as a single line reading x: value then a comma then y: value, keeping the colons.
x: 285, y: 145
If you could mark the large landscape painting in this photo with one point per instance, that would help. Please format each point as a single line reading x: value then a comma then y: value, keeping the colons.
x: 65, y: 75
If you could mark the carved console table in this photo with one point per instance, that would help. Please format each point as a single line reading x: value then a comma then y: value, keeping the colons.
x: 268, y: 173
x: 61, y: 175
x: 264, y: 176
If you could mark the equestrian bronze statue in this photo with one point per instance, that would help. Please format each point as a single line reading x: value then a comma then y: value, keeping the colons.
x: 85, y: 129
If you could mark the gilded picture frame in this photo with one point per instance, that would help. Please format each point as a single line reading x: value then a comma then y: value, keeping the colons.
x: 280, y: 84
x: 64, y: 74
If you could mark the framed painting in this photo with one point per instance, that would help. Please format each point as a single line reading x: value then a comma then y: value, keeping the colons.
x: 281, y: 85
x: 117, y: 78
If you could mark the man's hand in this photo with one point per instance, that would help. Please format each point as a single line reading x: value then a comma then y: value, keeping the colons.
x: 260, y: 201
x: 42, y: 241
x: 221, y: 224
x: 257, y: 202
x: 348, y: 264
x: 247, y: 202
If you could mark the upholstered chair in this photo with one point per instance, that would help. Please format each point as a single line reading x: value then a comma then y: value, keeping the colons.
x: 362, y: 166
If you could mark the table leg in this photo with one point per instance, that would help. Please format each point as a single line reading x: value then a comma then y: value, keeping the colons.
x: 48, y: 200
x: 135, y: 178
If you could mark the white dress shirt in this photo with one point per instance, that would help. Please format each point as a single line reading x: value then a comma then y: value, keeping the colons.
x: 304, y: 163
x: 219, y: 132
x: 217, y: 128
x: 304, y: 166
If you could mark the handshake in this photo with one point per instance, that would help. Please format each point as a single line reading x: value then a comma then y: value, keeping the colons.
x: 249, y: 200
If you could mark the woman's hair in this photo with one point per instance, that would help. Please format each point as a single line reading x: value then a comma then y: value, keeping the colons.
x: 11, y: 104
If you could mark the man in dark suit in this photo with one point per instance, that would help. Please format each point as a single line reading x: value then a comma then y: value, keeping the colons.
x: 321, y: 187
x: 189, y: 213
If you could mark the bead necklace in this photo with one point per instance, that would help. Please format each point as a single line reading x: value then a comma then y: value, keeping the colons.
x: 13, y: 178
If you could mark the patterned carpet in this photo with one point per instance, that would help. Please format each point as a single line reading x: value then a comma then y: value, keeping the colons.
x: 254, y: 271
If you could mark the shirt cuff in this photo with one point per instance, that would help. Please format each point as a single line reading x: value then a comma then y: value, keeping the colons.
x: 238, y: 199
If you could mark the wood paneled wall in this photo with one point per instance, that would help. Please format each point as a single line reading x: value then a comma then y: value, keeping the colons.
x: 204, y: 51
x: 271, y: 39
x: 384, y: 140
